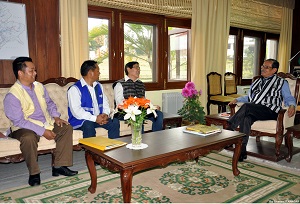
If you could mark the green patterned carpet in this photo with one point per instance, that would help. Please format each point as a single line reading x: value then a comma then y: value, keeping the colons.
x: 209, y: 181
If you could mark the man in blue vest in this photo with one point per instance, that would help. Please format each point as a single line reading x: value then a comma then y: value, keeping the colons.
x: 131, y: 85
x: 88, y: 105
x: 263, y: 101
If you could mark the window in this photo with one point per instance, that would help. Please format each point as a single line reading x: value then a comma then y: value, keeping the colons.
x: 250, y: 57
x: 140, y: 46
x: 178, y: 53
x: 246, y: 52
x: 160, y: 44
x: 99, y: 44
x: 230, y: 64
x: 271, y: 49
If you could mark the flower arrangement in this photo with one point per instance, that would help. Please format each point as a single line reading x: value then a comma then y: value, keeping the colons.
x: 192, y: 110
x: 136, y: 110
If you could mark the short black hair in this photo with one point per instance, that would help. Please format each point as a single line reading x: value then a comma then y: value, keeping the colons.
x: 275, y: 63
x: 19, y: 64
x: 87, y: 66
x: 129, y: 65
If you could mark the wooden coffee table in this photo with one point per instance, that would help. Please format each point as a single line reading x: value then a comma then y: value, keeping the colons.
x: 165, y: 146
x: 216, y: 119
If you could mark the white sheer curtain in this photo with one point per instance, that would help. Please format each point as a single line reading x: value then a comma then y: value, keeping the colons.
x: 74, y: 36
x: 210, y: 31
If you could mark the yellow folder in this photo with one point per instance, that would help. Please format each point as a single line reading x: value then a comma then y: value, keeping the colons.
x: 101, y: 143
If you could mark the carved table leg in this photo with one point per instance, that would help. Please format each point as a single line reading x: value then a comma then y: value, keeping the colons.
x: 289, y: 144
x: 92, y: 170
x: 236, y: 155
x: 126, y: 184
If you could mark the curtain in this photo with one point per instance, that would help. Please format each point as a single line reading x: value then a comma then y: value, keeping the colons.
x: 210, y: 31
x: 74, y: 36
x: 285, y: 41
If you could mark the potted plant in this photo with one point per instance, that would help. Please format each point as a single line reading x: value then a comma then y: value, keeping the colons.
x: 192, y: 111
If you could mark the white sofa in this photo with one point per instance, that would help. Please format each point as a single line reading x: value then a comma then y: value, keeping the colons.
x: 57, y: 88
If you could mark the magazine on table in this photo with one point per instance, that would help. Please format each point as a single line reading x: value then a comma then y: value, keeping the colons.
x: 224, y: 115
x: 202, y: 130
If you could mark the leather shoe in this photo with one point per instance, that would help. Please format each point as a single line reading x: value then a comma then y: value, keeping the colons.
x: 34, y: 180
x: 63, y: 170
x: 243, y: 156
x: 243, y: 153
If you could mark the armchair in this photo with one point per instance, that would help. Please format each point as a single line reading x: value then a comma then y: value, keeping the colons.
x: 275, y: 128
x: 214, y: 92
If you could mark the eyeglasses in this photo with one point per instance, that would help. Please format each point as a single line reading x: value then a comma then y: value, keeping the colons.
x: 266, y: 67
x: 137, y: 67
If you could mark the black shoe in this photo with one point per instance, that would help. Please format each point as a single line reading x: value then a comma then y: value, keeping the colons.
x: 243, y: 153
x: 229, y: 128
x: 63, y: 170
x: 243, y: 156
x: 229, y: 147
x: 34, y: 180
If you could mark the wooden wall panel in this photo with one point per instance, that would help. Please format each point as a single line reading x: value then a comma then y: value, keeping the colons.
x: 43, y: 40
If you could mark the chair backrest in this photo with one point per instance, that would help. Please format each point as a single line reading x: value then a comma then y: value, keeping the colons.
x: 294, y: 83
x: 214, y: 84
x: 230, y: 83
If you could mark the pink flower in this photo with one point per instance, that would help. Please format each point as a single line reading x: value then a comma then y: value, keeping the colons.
x: 194, y: 92
x: 186, y: 92
x: 190, y: 85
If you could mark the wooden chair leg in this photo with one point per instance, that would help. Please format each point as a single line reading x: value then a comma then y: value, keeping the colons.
x: 208, y: 108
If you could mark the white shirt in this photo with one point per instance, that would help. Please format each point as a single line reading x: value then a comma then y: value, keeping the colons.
x: 118, y: 91
x: 74, y: 100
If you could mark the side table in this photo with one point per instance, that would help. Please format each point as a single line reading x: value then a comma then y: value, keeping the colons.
x: 216, y: 119
x: 293, y: 131
x: 171, y: 120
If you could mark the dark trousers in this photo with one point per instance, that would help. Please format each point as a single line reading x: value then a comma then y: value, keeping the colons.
x: 247, y: 115
x: 113, y: 128
x: 157, y: 123
x: 63, y: 152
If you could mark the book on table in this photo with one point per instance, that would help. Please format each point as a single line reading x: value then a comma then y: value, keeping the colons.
x: 102, y: 143
x: 202, y: 130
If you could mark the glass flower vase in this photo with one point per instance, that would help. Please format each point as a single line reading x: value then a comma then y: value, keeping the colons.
x: 136, y: 135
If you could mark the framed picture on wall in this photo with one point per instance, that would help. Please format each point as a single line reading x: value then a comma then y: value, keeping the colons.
x: 13, y: 30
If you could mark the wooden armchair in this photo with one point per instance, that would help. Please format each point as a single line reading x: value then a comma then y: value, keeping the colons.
x: 230, y: 85
x: 214, y: 92
x: 275, y: 128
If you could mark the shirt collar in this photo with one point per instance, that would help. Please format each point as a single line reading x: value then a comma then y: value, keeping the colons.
x: 83, y: 83
x: 127, y: 78
x: 26, y: 87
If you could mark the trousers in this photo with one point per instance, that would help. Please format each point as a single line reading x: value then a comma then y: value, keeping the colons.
x: 113, y: 128
x: 247, y: 115
x: 63, y: 152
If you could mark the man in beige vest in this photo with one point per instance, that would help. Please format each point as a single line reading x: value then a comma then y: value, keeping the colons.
x: 33, y: 115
